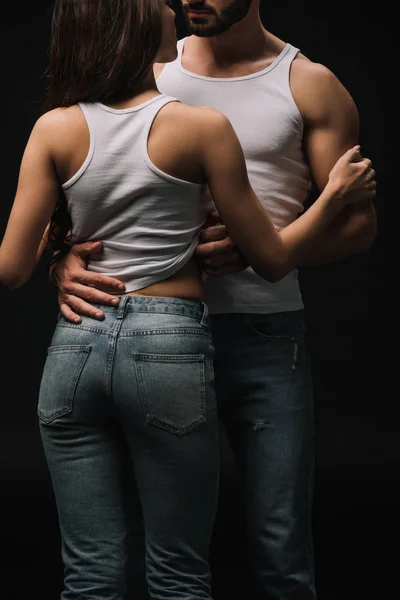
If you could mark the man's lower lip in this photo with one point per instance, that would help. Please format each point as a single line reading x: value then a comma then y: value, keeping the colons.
x: 198, y: 13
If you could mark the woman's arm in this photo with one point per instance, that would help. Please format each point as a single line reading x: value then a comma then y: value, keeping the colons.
x: 273, y: 254
x: 35, y: 199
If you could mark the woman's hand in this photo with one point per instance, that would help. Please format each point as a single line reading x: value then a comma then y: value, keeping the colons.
x: 352, y: 179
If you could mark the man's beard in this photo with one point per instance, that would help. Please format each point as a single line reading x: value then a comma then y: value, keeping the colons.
x: 230, y: 15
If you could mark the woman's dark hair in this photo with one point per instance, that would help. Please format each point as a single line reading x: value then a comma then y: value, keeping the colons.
x: 100, y: 51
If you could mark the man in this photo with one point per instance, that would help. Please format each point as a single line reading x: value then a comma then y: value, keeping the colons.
x: 294, y: 119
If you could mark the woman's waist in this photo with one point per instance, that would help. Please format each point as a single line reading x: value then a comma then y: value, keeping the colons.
x: 168, y: 271
x: 186, y: 283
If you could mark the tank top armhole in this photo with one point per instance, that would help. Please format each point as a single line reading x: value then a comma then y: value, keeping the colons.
x: 147, y: 158
x: 90, y: 153
x: 289, y: 58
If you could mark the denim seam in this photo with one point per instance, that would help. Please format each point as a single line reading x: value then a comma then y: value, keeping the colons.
x: 145, y: 356
x: 113, y: 335
x: 182, y: 430
x: 83, y: 328
x: 69, y: 348
x: 178, y: 331
x: 143, y: 332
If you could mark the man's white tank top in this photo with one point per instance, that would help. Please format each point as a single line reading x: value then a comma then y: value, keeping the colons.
x: 149, y: 222
x: 269, y: 126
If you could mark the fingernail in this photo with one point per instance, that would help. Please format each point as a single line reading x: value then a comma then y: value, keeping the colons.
x: 121, y: 286
x: 115, y: 302
x: 99, y: 315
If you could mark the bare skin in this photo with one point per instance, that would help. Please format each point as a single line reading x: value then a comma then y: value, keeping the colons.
x: 331, y: 127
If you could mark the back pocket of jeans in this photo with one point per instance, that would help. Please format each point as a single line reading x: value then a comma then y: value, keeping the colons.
x: 173, y: 390
x: 62, y: 370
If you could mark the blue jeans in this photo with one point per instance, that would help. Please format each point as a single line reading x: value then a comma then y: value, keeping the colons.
x: 132, y: 397
x: 265, y: 401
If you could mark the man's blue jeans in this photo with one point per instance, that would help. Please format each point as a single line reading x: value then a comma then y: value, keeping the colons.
x: 265, y: 403
x: 133, y: 394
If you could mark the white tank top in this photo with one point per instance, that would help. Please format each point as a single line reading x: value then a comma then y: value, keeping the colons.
x: 148, y: 221
x: 269, y: 126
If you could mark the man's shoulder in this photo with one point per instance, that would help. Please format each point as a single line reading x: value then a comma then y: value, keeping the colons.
x: 316, y: 89
x: 304, y: 71
x: 311, y: 72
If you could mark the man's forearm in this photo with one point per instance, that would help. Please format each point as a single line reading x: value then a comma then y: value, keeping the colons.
x: 352, y: 232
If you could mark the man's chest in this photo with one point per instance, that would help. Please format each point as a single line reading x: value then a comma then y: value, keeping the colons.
x: 264, y: 117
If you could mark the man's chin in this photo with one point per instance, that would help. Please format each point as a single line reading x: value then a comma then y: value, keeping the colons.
x: 201, y: 27
x: 202, y: 31
x: 206, y: 30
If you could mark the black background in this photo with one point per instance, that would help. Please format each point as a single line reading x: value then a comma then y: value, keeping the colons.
x: 357, y: 454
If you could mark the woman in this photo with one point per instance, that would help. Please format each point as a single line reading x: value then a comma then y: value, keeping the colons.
x: 132, y: 166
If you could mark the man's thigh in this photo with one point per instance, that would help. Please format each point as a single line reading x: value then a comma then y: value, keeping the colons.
x: 264, y: 357
x: 265, y: 399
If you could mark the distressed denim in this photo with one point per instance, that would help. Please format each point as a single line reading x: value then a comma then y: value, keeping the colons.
x: 131, y: 399
x: 265, y: 402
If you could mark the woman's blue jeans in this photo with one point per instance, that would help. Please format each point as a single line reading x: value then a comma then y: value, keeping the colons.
x: 135, y: 389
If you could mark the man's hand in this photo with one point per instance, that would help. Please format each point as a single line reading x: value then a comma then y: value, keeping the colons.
x: 216, y: 251
x: 77, y: 286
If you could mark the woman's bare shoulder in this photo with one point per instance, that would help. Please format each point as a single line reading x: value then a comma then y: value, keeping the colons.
x: 60, y: 123
x: 184, y: 115
x: 60, y: 117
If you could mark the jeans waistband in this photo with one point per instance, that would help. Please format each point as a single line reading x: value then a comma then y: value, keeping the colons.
x: 157, y: 305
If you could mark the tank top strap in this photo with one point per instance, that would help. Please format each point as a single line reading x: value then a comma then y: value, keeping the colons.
x: 179, y: 46
x: 285, y: 58
x: 151, y: 111
x: 290, y: 52
x: 149, y: 116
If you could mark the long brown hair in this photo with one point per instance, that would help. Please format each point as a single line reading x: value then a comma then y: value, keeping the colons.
x: 100, y: 50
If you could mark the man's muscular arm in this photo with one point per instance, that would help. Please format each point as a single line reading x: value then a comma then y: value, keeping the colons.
x: 331, y: 123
